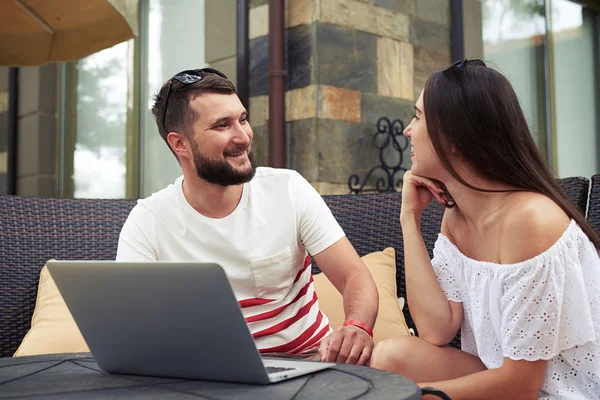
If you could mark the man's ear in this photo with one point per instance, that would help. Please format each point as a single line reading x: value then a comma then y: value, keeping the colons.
x: 179, y: 143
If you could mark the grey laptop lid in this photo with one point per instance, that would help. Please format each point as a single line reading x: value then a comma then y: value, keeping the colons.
x: 174, y: 319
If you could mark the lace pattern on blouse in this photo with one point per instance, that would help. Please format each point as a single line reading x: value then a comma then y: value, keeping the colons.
x: 544, y: 308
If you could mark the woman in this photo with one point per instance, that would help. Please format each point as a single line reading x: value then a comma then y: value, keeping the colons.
x: 515, y: 265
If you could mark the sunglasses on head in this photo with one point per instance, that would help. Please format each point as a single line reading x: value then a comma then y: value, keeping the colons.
x: 455, y: 73
x: 458, y: 66
x: 187, y: 77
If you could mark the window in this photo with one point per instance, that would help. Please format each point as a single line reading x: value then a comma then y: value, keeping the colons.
x: 513, y: 40
x: 575, y: 86
x: 95, y: 121
x: 535, y: 44
x: 110, y: 146
x: 174, y: 42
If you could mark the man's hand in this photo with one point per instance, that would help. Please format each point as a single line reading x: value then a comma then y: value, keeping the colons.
x: 347, y: 344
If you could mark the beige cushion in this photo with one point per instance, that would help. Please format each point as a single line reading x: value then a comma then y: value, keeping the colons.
x: 390, y: 320
x: 53, y: 329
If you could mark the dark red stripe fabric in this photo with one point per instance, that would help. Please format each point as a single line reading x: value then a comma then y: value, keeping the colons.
x: 306, y: 265
x: 314, y: 341
x: 254, y: 302
x: 278, y: 310
x: 294, y: 344
x: 288, y: 322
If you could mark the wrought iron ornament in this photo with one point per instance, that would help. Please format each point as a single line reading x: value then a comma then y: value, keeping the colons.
x: 391, y: 142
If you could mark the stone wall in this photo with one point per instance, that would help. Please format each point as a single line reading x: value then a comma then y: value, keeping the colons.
x: 220, y: 50
x: 37, y: 133
x: 37, y: 153
x: 348, y: 63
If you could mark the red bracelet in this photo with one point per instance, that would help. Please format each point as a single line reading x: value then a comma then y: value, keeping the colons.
x: 360, y: 325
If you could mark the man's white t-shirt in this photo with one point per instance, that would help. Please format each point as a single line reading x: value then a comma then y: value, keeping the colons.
x: 263, y: 246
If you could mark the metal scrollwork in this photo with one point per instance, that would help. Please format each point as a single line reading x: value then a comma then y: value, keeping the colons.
x: 391, y: 142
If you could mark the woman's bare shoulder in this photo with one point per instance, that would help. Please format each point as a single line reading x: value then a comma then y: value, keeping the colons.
x: 530, y: 225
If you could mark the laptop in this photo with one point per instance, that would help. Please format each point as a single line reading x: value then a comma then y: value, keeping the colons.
x: 167, y: 319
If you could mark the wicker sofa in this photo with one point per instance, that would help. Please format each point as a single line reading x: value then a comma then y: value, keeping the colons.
x: 33, y: 230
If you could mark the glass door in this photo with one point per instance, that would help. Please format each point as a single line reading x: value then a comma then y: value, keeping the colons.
x: 574, y: 39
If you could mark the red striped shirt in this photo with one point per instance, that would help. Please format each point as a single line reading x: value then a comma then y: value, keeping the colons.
x: 291, y: 325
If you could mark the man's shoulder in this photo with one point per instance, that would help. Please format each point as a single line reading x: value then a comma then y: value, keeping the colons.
x: 163, y: 199
x: 270, y: 178
x: 272, y: 173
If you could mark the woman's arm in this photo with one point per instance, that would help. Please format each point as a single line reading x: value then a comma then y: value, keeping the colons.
x: 513, y: 380
x: 437, y: 319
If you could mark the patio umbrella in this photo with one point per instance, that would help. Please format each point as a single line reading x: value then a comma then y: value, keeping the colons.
x: 35, y: 32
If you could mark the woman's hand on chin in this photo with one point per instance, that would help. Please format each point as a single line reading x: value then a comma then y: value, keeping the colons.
x: 417, y: 192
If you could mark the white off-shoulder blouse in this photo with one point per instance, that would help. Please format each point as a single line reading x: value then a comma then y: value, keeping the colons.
x: 545, y: 308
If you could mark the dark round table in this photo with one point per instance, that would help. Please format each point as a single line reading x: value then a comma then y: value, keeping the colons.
x: 75, y: 376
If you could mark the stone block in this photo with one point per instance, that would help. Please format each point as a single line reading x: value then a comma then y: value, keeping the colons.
x: 301, y: 103
x: 3, y: 184
x: 260, y: 145
x: 252, y: 3
x: 344, y: 148
x: 396, y: 76
x: 229, y: 67
x: 3, y: 162
x: 4, y: 78
x: 298, y: 56
x: 301, y: 12
x: 38, y: 89
x: 259, y: 66
x: 340, y: 104
x: 303, y: 154
x: 429, y: 34
x: 258, y: 110
x: 366, y: 18
x: 389, y: 4
x: 40, y: 185
x: 408, y: 7
x: 374, y: 106
x: 258, y: 21
x: 3, y: 100
x: 220, y: 27
x: 434, y: 10
x: 3, y: 130
x: 346, y: 58
x: 36, y: 144
x: 428, y: 61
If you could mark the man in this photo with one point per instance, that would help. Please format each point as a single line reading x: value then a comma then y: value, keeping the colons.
x: 259, y: 224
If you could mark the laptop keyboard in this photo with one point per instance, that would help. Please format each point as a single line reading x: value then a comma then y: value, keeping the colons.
x: 271, y: 370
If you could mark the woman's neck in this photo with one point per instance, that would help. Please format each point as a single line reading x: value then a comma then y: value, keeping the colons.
x: 478, y: 207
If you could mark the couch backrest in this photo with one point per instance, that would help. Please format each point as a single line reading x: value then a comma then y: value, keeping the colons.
x: 371, y: 222
x: 593, y: 216
x: 34, y: 230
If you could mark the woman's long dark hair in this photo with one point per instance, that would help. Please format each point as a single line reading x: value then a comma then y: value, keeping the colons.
x: 476, y: 110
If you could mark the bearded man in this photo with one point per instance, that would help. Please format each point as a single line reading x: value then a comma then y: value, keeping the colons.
x: 260, y: 224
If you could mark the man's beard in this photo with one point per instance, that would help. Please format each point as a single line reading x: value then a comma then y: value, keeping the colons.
x: 220, y: 172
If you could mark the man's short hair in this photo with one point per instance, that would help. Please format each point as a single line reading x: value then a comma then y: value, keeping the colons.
x: 180, y: 117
